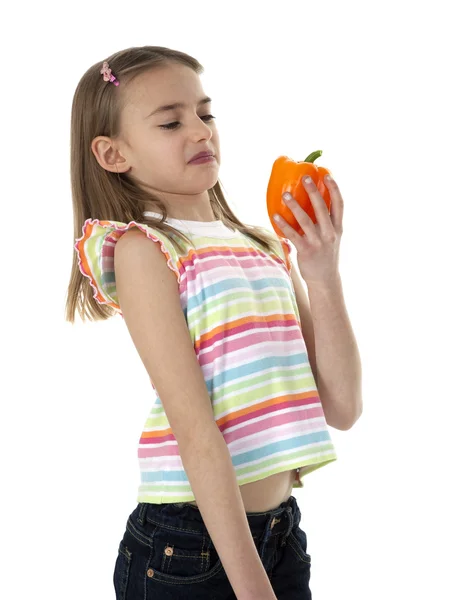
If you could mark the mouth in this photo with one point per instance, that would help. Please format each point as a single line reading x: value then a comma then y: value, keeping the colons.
x: 202, y: 155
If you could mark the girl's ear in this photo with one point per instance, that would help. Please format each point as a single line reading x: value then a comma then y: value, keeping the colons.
x: 108, y: 157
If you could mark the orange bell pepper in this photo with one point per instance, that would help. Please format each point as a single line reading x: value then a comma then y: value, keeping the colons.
x: 286, y: 176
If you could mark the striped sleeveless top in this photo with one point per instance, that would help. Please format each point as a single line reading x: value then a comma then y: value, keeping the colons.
x: 239, y: 304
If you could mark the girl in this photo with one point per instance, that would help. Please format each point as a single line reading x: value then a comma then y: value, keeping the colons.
x: 222, y: 325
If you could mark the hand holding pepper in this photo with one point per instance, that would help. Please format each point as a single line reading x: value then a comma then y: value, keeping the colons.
x: 318, y: 247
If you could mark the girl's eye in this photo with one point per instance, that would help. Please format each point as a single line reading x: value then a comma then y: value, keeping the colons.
x: 175, y: 124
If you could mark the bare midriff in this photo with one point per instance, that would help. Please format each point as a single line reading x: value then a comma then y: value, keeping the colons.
x: 267, y: 493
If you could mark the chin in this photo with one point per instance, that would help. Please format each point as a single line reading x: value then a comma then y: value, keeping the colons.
x: 210, y: 180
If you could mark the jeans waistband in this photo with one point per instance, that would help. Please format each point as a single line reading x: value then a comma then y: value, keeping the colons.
x: 277, y: 521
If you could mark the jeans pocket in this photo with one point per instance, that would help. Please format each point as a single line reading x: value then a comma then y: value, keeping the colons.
x: 182, y: 557
x: 298, y: 541
x: 122, y: 571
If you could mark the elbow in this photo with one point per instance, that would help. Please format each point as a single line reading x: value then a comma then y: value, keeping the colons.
x: 347, y: 425
x: 343, y: 420
x: 349, y: 422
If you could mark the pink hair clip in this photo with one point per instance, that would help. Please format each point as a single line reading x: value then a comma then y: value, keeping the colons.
x: 107, y: 76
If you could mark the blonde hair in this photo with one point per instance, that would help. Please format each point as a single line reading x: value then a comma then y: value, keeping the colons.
x: 100, y: 194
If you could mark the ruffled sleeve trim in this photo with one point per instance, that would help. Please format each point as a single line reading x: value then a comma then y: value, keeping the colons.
x: 282, y: 250
x: 95, y: 251
x: 287, y: 249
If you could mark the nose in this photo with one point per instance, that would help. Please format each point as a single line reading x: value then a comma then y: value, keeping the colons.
x: 200, y: 130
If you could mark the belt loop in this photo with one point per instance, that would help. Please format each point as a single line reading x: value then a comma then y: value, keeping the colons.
x: 290, y: 526
x: 267, y: 533
x: 142, y: 513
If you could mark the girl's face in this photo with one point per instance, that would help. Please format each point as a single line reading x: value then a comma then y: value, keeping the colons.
x: 157, y: 144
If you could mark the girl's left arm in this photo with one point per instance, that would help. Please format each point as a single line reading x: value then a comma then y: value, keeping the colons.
x: 336, y: 361
x: 339, y: 370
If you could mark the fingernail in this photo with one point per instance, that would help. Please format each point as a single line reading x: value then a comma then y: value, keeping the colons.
x: 308, y: 180
x: 287, y: 196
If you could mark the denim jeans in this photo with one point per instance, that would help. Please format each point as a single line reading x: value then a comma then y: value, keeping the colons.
x: 166, y: 553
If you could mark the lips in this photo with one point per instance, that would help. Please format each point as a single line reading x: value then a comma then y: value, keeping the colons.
x: 201, y: 155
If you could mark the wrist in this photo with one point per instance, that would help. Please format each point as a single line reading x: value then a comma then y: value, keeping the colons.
x: 333, y: 283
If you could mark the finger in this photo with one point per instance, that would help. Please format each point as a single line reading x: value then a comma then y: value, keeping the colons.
x: 289, y: 232
x: 320, y: 208
x: 337, y: 203
x: 304, y: 220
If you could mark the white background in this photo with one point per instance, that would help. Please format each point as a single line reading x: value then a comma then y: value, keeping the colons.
x: 372, y: 84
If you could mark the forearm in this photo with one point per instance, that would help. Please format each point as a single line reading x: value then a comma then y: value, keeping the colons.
x: 339, y: 371
x: 210, y: 471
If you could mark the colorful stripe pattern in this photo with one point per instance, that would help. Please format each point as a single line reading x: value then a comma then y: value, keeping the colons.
x: 240, y: 308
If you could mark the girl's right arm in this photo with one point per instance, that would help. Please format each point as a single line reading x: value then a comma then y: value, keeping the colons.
x: 149, y: 299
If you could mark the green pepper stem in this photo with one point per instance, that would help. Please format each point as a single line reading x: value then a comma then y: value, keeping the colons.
x: 312, y: 157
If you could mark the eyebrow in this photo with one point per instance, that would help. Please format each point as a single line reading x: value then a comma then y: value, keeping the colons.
x: 176, y: 105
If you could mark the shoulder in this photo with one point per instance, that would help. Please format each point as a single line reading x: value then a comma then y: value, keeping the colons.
x: 134, y: 250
